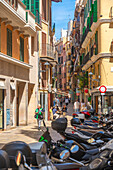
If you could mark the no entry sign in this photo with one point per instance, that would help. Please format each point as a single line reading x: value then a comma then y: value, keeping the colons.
x: 102, y: 89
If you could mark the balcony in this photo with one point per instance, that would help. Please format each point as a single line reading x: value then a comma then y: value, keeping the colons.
x: 86, y: 58
x: 30, y: 22
x: 85, y: 34
x: 13, y: 13
x: 47, y: 51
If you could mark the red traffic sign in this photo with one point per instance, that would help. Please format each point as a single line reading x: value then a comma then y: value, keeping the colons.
x: 102, y: 89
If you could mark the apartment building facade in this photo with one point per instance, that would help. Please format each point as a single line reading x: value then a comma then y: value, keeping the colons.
x: 96, y: 29
x: 18, y: 83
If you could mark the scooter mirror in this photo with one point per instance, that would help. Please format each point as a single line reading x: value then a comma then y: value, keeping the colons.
x: 74, y: 149
x: 19, y: 158
x: 64, y: 154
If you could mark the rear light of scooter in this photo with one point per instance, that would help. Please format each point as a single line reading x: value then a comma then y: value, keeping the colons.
x: 95, y: 121
x: 74, y: 127
x: 73, y: 132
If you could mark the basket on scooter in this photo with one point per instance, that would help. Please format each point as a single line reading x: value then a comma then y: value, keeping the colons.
x: 59, y: 124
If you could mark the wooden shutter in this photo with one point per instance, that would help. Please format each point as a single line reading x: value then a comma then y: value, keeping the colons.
x: 9, y: 42
x: 32, y: 45
x: 44, y: 9
x: 44, y: 44
x: 0, y: 37
x: 43, y: 76
x: 96, y: 41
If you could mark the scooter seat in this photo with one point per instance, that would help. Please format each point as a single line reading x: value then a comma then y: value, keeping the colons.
x: 84, y: 137
x: 88, y: 147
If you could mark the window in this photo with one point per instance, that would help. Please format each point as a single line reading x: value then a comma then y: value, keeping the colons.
x: 44, y: 9
x: 9, y: 42
x: 32, y: 45
x: 44, y: 48
x: 21, y: 49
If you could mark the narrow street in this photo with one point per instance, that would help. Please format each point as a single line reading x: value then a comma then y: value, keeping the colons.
x: 30, y: 133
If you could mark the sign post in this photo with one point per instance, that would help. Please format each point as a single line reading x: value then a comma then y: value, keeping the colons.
x: 102, y: 89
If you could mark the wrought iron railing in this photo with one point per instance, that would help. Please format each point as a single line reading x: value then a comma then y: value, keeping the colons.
x: 47, y: 50
x: 86, y: 58
x: 85, y: 34
x: 38, y: 18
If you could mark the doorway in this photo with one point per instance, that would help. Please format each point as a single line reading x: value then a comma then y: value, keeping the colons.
x: 1, y: 109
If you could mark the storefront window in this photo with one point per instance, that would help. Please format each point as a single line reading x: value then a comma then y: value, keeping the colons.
x: 1, y: 109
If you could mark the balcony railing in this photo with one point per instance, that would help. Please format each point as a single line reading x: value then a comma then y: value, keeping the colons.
x: 86, y: 58
x: 38, y: 18
x: 47, y: 50
x: 85, y: 34
x: 91, y: 21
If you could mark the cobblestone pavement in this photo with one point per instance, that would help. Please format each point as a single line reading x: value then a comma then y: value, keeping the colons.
x: 30, y: 133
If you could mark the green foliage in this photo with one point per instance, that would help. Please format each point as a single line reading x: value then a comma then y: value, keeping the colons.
x: 83, y: 81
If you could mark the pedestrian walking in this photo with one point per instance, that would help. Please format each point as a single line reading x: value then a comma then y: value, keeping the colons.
x: 61, y: 101
x: 89, y: 107
x: 66, y: 100
x: 57, y: 101
x: 55, y: 115
x: 76, y: 106
x: 82, y: 103
x: 64, y: 110
x: 39, y: 115
x: 51, y: 113
x: 83, y: 108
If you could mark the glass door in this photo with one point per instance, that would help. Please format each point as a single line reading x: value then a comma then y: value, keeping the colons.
x: 1, y: 108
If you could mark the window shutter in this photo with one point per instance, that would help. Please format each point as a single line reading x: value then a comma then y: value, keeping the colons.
x: 95, y: 11
x: 21, y: 49
x: 9, y: 42
x: 96, y: 41
x: 0, y: 37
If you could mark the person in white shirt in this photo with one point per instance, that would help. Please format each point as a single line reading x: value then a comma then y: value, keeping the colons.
x: 66, y: 101
x: 76, y: 106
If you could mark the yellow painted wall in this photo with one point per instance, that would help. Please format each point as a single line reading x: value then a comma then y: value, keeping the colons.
x: 106, y: 74
x: 105, y: 6
x: 15, y: 43
x: 106, y: 34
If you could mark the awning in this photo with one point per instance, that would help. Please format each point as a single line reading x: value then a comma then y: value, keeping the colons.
x: 13, y: 87
x: 57, y: 0
x: 2, y: 84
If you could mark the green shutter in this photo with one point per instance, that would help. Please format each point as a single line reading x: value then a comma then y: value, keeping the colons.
x: 21, y: 49
x: 95, y: 11
x: 9, y: 42
x: 96, y: 41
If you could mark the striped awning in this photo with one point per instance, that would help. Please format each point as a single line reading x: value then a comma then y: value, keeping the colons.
x: 57, y: 0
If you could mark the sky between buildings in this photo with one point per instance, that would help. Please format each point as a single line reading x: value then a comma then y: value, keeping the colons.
x: 62, y: 12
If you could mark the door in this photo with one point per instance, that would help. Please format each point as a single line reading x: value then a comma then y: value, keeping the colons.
x: 1, y: 109
x: 46, y: 106
x: 96, y: 104
x: 17, y: 106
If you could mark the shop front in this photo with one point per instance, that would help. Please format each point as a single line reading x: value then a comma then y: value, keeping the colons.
x: 1, y: 109
x: 103, y: 103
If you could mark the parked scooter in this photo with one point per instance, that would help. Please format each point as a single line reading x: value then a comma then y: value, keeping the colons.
x: 60, y: 126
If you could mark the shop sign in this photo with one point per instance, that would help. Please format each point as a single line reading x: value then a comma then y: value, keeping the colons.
x: 102, y: 89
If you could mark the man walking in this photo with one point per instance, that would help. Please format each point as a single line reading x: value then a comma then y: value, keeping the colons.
x: 76, y: 106
x: 39, y: 115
